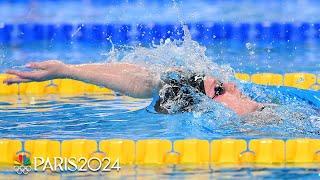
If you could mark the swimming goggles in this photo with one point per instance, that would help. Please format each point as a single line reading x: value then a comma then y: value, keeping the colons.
x: 218, y: 89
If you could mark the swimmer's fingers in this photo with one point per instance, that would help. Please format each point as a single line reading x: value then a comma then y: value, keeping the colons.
x: 15, y: 80
x: 33, y: 75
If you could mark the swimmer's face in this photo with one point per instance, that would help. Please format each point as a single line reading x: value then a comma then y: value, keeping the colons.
x: 231, y: 96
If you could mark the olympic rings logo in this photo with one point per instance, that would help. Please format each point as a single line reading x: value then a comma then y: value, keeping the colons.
x: 22, y: 170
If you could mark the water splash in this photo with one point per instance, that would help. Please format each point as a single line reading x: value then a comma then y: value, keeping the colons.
x: 185, y: 54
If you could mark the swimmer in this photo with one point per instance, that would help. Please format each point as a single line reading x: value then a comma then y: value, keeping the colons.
x: 172, y: 87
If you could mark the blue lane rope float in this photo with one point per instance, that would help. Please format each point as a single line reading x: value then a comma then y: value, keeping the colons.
x: 125, y: 33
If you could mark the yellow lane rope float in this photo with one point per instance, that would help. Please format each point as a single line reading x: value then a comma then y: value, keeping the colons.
x: 73, y: 87
x: 58, y: 86
x: 296, y: 80
x: 219, y: 152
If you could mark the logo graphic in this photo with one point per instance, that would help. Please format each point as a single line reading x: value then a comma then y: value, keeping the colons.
x: 22, y: 163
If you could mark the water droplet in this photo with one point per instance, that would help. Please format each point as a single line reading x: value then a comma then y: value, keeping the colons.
x: 249, y: 46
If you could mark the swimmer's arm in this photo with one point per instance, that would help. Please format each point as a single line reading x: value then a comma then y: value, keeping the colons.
x: 129, y: 79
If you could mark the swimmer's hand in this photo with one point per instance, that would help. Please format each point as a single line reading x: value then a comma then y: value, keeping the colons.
x: 42, y: 71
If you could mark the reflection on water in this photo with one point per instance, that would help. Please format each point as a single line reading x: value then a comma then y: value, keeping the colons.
x: 177, y: 172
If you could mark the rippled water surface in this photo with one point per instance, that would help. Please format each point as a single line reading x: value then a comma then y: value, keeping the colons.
x: 183, y: 173
x: 249, y: 57
x: 116, y: 116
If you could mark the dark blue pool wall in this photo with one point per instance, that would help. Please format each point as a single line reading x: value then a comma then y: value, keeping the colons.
x: 125, y: 33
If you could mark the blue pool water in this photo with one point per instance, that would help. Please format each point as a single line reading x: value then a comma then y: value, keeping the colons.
x: 137, y: 11
x: 276, y: 57
x: 108, y: 116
